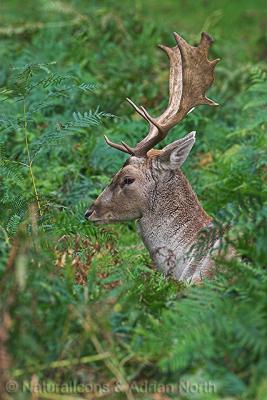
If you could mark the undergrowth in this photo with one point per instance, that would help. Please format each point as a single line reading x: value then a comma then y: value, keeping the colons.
x: 83, y: 305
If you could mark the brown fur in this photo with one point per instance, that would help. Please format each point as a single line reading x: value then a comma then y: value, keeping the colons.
x: 170, y: 217
x: 150, y: 187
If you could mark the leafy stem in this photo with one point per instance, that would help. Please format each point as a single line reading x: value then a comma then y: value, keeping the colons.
x: 30, y: 161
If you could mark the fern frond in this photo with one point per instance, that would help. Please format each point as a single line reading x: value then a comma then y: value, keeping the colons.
x: 80, y: 121
x: 88, y: 119
x: 88, y: 87
x: 13, y: 224
x: 257, y: 75
x: 9, y: 123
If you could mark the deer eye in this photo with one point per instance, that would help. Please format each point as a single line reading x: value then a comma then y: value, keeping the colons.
x: 127, y: 181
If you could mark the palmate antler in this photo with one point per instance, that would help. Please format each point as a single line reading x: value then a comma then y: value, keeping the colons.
x: 191, y: 74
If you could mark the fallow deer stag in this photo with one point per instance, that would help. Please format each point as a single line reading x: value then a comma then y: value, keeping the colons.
x: 151, y: 188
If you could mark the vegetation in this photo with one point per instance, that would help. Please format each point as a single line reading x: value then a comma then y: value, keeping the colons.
x: 83, y: 313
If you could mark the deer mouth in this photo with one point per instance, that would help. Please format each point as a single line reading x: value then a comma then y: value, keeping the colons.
x: 91, y: 216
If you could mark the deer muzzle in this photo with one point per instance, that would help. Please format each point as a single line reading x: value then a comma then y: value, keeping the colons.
x: 89, y: 213
x: 97, y: 213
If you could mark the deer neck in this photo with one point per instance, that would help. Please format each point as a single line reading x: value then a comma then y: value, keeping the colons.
x: 170, y: 226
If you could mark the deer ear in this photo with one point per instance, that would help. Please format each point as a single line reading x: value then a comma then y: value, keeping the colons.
x: 175, y: 154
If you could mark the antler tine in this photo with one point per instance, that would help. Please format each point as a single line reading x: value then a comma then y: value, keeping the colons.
x: 143, y: 112
x: 191, y: 74
x: 122, y: 147
x: 137, y: 109
x: 128, y: 148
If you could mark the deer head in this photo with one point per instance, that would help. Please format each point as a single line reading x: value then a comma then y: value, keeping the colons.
x: 148, y: 172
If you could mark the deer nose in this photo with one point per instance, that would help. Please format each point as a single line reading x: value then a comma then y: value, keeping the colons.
x: 88, y: 214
